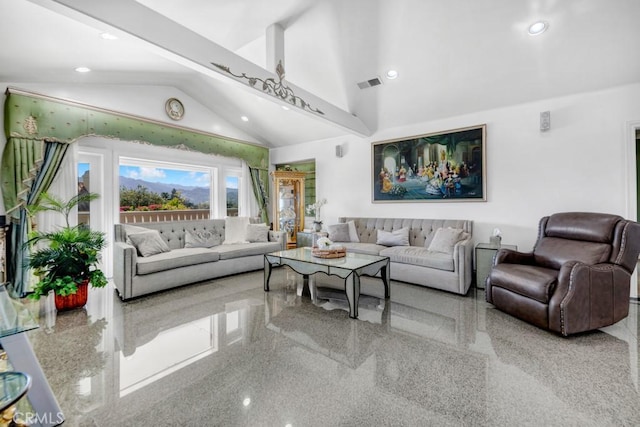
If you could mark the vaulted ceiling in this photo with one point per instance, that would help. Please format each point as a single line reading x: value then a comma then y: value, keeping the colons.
x: 453, y: 57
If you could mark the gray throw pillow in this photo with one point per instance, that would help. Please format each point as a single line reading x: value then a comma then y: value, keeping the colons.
x: 149, y: 243
x: 339, y: 233
x: 353, y: 232
x: 235, y: 230
x: 445, y: 239
x: 257, y: 233
x: 201, y: 239
x: 131, y: 229
x: 394, y: 238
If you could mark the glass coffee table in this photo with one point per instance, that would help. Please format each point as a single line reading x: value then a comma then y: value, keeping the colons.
x: 349, y: 268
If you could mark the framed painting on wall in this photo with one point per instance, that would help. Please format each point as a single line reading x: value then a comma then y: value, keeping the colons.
x: 443, y: 166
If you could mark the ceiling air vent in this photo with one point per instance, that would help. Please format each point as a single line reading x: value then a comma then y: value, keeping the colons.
x: 370, y: 83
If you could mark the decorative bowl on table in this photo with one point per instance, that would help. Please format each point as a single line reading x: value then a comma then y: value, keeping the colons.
x: 326, y: 249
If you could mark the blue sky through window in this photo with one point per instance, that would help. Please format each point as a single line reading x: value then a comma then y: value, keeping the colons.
x: 231, y: 182
x: 166, y: 176
x: 82, y: 168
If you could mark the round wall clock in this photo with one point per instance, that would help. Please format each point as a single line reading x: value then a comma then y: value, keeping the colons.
x: 174, y: 108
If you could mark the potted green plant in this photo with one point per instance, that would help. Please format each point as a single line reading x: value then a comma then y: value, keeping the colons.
x: 69, y: 262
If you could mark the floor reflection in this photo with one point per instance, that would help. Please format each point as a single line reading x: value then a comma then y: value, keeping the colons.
x: 72, y: 349
x: 227, y: 353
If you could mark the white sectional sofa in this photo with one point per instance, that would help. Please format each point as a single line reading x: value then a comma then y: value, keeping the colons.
x: 135, y: 275
x: 415, y: 263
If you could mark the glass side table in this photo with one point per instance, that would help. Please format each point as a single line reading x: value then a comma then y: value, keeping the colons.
x: 484, y: 260
x: 15, y: 319
x: 13, y: 386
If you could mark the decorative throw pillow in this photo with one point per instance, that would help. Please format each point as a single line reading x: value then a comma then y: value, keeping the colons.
x: 445, y: 239
x: 256, y: 220
x: 149, y: 243
x: 428, y: 238
x: 235, y: 230
x: 131, y: 229
x: 339, y: 233
x: 257, y: 233
x: 353, y: 233
x: 394, y: 238
x: 200, y: 239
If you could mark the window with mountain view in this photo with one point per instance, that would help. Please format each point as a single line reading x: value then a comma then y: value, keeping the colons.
x: 84, y: 186
x: 231, y: 186
x: 151, y: 193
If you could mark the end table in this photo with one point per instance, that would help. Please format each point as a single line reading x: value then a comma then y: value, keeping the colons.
x: 484, y: 260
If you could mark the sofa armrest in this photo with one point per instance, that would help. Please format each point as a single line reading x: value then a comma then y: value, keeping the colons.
x: 125, y: 258
x: 279, y: 236
x: 463, y: 263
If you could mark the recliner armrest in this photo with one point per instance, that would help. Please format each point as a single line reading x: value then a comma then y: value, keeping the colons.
x: 588, y: 294
x: 509, y: 256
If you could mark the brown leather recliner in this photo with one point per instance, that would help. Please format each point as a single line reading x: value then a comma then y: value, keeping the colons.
x: 576, y: 279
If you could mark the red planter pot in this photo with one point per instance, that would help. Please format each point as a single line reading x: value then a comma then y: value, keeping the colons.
x: 77, y: 300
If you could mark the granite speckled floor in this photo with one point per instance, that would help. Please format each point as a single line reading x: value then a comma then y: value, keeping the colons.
x: 227, y: 353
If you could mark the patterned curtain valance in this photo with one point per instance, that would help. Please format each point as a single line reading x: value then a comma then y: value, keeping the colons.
x: 33, y: 116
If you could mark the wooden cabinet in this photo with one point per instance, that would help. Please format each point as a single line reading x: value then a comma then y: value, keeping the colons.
x: 3, y: 254
x: 288, y: 203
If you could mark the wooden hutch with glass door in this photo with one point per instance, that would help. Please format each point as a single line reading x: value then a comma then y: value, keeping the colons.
x: 288, y: 206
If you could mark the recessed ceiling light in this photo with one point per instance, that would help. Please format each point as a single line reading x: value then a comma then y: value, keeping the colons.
x: 392, y: 74
x: 108, y: 36
x: 83, y: 69
x: 284, y: 107
x: 244, y: 118
x: 538, y: 28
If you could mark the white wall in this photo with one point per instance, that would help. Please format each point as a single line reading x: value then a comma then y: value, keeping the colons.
x: 579, y: 165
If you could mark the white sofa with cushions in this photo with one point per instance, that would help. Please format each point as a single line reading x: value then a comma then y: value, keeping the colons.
x: 436, y: 253
x: 153, y: 257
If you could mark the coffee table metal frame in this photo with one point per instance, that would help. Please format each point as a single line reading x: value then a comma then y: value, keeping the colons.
x: 349, y: 268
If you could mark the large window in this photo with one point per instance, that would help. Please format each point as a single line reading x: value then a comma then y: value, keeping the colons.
x: 153, y: 191
x: 102, y: 161
x: 231, y: 192
x: 84, y: 186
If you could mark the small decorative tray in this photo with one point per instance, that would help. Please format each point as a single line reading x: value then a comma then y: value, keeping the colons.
x: 329, y: 253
